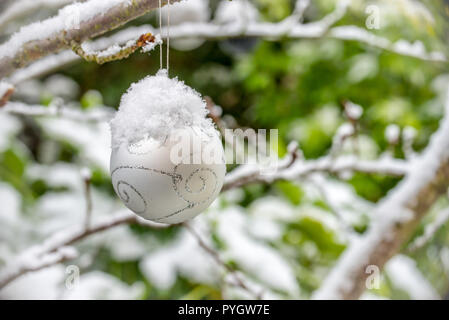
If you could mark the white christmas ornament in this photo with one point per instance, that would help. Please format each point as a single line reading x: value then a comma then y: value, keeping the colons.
x: 167, y: 161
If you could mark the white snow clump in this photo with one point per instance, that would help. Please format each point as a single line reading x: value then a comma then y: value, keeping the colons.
x: 156, y: 106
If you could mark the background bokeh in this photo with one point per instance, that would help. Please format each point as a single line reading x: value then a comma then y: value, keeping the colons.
x: 282, y: 237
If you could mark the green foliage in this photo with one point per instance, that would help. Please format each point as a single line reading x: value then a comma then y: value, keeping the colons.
x: 12, y: 167
x: 313, y: 229
x: 91, y: 98
x: 291, y: 191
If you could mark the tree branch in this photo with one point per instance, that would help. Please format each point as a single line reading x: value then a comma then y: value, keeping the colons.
x: 20, y: 9
x: 429, y: 231
x: 214, y: 254
x: 246, y: 174
x: 290, y: 27
x: 23, y: 109
x: 87, y: 182
x: 41, y: 39
x: 53, y: 250
x: 116, y: 52
x: 394, y: 219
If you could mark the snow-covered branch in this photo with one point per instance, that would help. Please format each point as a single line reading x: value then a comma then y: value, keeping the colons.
x: 394, y: 219
x: 73, y: 24
x: 291, y: 27
x: 313, y: 30
x: 44, y: 66
x: 21, y: 8
x: 58, y: 248
x: 54, y: 110
x: 146, y: 41
x: 238, y: 281
x: 32, y: 260
x: 300, y: 168
x: 430, y: 230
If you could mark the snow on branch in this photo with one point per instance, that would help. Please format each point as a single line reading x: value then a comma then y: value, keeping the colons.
x: 56, y: 61
x: 394, y: 219
x: 291, y: 27
x: 32, y: 260
x: 238, y: 281
x: 58, y: 248
x: 22, y: 8
x: 294, y: 167
x: 74, y: 24
x: 146, y: 41
x: 430, y: 230
x: 313, y: 30
x: 300, y: 168
x: 401, y: 47
x: 44, y: 66
x: 55, y: 110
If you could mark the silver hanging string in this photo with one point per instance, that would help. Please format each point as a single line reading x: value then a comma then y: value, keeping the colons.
x: 168, y: 35
x: 160, y: 32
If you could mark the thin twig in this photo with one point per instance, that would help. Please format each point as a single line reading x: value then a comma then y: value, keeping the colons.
x: 51, y: 251
x: 248, y: 174
x: 212, y: 31
x: 214, y: 254
x: 87, y: 177
x: 116, y: 52
x: 94, y: 115
x: 6, y: 91
x: 429, y: 231
x: 353, y: 118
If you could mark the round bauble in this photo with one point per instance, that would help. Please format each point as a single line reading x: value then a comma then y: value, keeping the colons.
x: 167, y: 162
x: 157, y: 182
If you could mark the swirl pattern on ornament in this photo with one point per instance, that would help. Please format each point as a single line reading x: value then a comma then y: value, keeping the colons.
x: 188, y: 191
x: 194, y: 190
x: 124, y: 195
x: 192, y: 193
x: 171, y: 174
x: 174, y: 213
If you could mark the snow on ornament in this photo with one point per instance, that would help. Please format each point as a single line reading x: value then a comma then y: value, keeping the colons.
x: 167, y: 161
